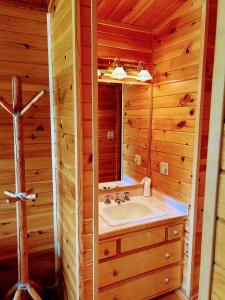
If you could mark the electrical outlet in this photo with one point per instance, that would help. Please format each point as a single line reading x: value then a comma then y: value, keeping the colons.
x: 137, y: 159
x: 110, y: 135
x: 164, y: 168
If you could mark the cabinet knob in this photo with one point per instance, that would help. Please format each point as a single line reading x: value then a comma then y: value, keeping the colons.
x: 106, y: 252
x: 167, y: 280
x: 176, y: 232
x: 115, y: 273
x: 167, y: 255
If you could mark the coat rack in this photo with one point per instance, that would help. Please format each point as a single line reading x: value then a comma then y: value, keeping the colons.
x: 20, y: 196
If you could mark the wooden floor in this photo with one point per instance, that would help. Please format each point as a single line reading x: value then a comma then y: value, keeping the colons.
x: 171, y: 296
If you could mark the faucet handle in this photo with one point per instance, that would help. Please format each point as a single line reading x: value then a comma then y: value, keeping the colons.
x: 126, y: 196
x: 117, y: 199
x: 107, y: 199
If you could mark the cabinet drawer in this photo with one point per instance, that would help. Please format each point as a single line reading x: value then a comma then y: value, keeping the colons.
x: 175, y: 232
x: 142, y: 239
x: 145, y: 287
x: 137, y: 263
x: 107, y: 249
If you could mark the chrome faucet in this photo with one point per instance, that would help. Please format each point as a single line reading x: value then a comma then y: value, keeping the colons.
x: 107, y: 199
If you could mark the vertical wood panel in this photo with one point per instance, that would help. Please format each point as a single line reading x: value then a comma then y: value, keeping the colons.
x: 64, y: 118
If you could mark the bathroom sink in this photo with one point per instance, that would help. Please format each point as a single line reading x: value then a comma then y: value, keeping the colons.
x: 134, y: 210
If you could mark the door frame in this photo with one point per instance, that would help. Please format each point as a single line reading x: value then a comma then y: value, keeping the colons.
x: 214, y: 155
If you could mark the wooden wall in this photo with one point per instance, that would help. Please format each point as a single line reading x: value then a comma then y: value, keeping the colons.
x: 210, y: 35
x: 176, y: 74
x: 177, y: 60
x: 177, y: 57
x: 63, y: 85
x: 136, y: 129
x: 23, y: 52
x: 109, y: 119
x: 72, y: 81
x: 130, y: 44
x: 218, y: 288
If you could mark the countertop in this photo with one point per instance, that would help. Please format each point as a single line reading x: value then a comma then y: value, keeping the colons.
x: 175, y: 211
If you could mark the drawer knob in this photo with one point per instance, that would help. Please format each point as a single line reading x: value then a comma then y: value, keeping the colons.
x: 176, y: 232
x: 167, y: 255
x: 115, y: 273
x: 167, y: 280
x: 106, y: 252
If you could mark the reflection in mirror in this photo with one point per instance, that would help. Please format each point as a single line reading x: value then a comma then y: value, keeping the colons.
x: 124, y: 118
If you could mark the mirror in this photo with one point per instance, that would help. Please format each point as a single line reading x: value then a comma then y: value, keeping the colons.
x: 124, y: 121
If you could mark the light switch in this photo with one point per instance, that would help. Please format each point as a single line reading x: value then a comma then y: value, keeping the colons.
x: 137, y: 159
x: 164, y: 168
x: 110, y: 135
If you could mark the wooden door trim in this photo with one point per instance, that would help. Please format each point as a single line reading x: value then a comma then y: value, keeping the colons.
x: 94, y: 56
x: 197, y: 147
x: 53, y: 149
x: 214, y: 154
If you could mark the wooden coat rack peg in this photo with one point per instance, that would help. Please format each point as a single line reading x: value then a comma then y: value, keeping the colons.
x: 24, y: 285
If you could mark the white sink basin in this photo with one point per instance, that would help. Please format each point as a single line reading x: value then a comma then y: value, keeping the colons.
x: 136, y: 209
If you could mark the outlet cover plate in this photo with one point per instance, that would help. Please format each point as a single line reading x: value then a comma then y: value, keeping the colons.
x: 137, y: 159
x: 110, y: 135
x: 164, y: 168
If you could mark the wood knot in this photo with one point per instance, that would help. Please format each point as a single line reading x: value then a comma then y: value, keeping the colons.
x: 172, y: 30
x: 166, y: 74
x: 33, y: 137
x: 27, y: 46
x: 40, y: 231
x: 40, y: 128
x: 182, y: 158
x: 187, y: 50
x: 181, y: 124
x: 191, y: 112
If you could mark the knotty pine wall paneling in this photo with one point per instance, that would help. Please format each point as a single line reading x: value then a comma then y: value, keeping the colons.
x: 175, y: 96
x: 72, y: 80
x: 130, y: 44
x: 62, y: 30
x: 136, y: 129
x: 23, y: 52
x: 175, y: 100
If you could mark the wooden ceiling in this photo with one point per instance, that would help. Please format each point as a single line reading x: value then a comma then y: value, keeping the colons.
x: 144, y: 13
x: 35, y: 3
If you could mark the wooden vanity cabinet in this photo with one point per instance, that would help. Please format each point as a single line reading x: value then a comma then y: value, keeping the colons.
x: 141, y: 264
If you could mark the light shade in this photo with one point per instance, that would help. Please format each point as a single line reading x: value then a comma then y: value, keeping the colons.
x: 99, y: 73
x: 144, y: 75
x: 119, y: 73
